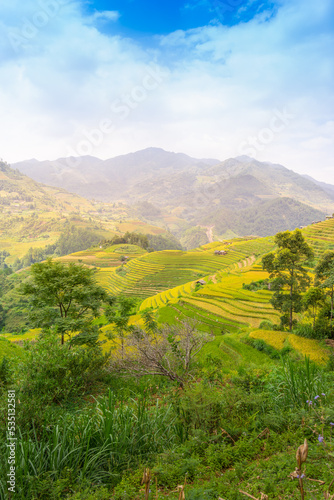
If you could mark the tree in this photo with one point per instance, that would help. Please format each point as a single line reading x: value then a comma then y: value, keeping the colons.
x: 290, y: 278
x: 166, y: 351
x: 313, y: 298
x: 118, y: 314
x: 65, y: 298
x: 324, y: 273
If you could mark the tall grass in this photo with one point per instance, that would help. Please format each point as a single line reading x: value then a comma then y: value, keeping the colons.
x: 293, y: 384
x: 93, y: 445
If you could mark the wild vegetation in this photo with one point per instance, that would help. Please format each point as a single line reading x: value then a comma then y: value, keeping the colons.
x: 172, y: 374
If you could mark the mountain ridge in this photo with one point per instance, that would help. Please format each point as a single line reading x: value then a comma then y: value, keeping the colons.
x: 184, y: 193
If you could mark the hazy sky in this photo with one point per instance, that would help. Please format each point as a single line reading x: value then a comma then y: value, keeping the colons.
x: 210, y: 78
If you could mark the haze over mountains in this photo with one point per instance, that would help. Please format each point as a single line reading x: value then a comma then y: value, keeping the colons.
x: 238, y: 196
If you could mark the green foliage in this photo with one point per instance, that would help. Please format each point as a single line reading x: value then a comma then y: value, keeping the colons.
x: 263, y: 218
x: 194, y: 237
x: 310, y: 332
x: 3, y: 255
x: 201, y: 493
x: 168, y: 241
x: 95, y: 445
x: 64, y: 297
x: 14, y: 306
x: 91, y: 494
x: 266, y: 325
x: 72, y: 239
x: 53, y: 372
x: 172, y: 468
x: 5, y: 373
x: 290, y: 278
x: 324, y: 273
x: 138, y: 239
x: 150, y: 242
x: 295, y: 383
x: 118, y: 314
x: 313, y: 299
x: 261, y: 346
x: 257, y: 285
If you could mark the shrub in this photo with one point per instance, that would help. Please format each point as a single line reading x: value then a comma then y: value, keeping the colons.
x: 54, y: 373
x: 5, y: 372
x: 92, y: 494
x: 260, y: 345
x: 307, y: 331
x: 202, y: 494
x: 294, y: 383
x: 266, y: 325
x: 173, y: 468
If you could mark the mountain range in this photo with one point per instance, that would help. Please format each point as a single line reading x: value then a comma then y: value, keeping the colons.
x: 238, y: 196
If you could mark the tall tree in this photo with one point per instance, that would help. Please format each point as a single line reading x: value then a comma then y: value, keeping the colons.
x: 313, y: 299
x: 66, y: 298
x: 118, y: 314
x: 286, y: 268
x: 324, y: 273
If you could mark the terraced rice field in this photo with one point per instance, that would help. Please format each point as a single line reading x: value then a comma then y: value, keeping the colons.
x: 219, y: 305
x: 273, y: 338
x: 171, y: 274
x: 228, y: 300
x: 305, y: 347
x: 309, y: 347
x: 320, y: 236
x: 105, y: 257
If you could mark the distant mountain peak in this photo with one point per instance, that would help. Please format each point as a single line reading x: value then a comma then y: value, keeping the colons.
x: 244, y: 158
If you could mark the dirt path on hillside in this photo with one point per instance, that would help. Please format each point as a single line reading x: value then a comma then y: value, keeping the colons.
x: 209, y: 233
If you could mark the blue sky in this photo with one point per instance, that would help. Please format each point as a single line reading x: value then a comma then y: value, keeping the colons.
x: 210, y: 78
x: 140, y: 18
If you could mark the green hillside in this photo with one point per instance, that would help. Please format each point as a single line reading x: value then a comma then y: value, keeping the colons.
x: 34, y: 216
x: 230, y: 430
x: 265, y: 218
x: 168, y: 281
x: 159, y: 271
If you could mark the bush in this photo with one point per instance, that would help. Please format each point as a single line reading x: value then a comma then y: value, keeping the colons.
x: 260, y: 345
x: 294, y: 383
x: 5, y: 373
x: 173, y: 468
x: 55, y: 372
x: 307, y: 331
x: 90, y: 494
x: 129, y: 486
x: 201, y: 494
x: 266, y: 325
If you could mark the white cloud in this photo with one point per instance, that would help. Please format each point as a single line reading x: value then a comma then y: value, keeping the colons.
x: 215, y: 88
x: 106, y: 15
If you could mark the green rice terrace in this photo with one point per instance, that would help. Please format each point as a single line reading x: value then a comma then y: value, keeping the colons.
x: 213, y: 398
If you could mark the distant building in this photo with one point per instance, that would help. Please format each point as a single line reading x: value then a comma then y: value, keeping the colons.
x: 201, y: 282
x: 220, y: 252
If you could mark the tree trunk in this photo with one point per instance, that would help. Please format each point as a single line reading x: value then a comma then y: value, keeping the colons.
x: 332, y: 306
x: 290, y: 321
